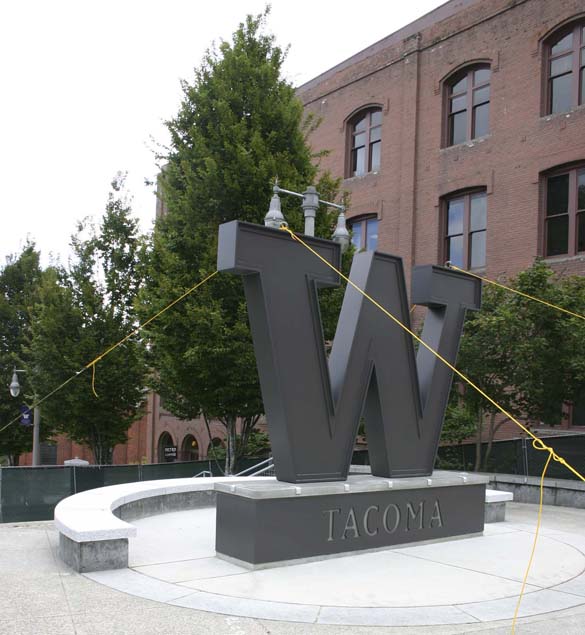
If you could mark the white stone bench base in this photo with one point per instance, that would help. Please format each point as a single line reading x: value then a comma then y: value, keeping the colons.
x: 495, y: 512
x: 495, y: 505
x: 96, y: 555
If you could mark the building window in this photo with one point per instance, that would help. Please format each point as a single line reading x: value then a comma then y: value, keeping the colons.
x: 365, y: 142
x: 189, y: 449
x: 565, y: 61
x: 468, y: 104
x: 364, y: 232
x: 564, y: 218
x: 465, y: 222
x: 167, y: 451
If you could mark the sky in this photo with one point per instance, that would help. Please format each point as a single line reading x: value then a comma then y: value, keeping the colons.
x: 86, y: 86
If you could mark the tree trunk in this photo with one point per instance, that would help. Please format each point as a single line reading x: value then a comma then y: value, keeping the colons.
x: 228, y: 451
x: 211, y: 443
x: 96, y: 447
x: 493, y: 428
x: 248, y: 425
x: 479, y: 428
x: 103, y: 454
x: 97, y: 457
x: 490, y: 442
x: 230, y: 446
x: 230, y: 455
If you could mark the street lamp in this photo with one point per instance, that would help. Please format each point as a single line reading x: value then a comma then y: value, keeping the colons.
x: 14, y: 385
x: 274, y: 218
x: 311, y: 200
x: 15, y: 391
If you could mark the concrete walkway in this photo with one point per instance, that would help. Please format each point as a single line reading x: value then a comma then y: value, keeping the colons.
x: 462, y: 586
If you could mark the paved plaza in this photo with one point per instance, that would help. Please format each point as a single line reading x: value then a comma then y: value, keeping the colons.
x: 175, y: 584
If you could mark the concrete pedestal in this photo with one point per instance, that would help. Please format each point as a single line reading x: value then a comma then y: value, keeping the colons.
x: 265, y: 524
x: 96, y: 555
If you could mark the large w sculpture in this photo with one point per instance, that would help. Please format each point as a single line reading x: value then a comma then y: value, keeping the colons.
x: 314, y: 405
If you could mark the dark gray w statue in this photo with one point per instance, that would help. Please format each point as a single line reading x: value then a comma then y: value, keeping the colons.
x: 314, y: 405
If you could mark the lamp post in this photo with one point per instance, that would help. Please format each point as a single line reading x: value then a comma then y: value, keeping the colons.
x: 311, y: 200
x: 15, y: 391
x: 310, y: 205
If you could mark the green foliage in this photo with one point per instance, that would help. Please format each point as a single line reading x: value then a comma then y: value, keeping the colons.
x: 82, y: 312
x: 528, y: 357
x: 460, y: 419
x: 239, y: 126
x: 20, y: 280
x: 450, y: 458
x: 258, y: 444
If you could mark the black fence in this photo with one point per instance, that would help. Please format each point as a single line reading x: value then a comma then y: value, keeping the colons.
x: 516, y: 456
x: 31, y: 493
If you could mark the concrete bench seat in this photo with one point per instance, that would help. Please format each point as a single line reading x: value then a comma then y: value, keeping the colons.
x: 495, y: 505
x: 495, y: 496
x: 94, y: 526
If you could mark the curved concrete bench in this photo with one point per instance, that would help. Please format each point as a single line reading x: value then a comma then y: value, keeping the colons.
x: 94, y: 529
x: 93, y: 532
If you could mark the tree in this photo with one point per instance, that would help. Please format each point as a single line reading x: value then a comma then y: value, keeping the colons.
x: 528, y: 357
x: 239, y: 126
x: 20, y: 280
x: 84, y: 310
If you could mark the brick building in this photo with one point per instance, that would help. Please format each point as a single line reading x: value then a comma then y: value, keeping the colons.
x: 147, y: 439
x: 461, y: 137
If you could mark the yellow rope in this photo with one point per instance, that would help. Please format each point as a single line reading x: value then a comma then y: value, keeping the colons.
x: 524, y: 581
x: 524, y: 295
x: 93, y: 380
x: 93, y: 363
x: 150, y: 319
x: 573, y: 314
x: 537, y: 443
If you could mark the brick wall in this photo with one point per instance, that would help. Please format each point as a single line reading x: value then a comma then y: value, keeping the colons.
x: 405, y: 78
x: 405, y: 74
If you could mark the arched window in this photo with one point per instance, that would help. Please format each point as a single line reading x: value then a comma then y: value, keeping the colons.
x: 364, y: 232
x: 564, y: 212
x: 468, y: 104
x: 565, y: 68
x: 365, y: 142
x: 167, y: 450
x: 464, y: 229
x: 189, y: 449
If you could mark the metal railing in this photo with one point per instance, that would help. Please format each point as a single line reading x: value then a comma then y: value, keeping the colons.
x: 266, y: 468
x: 203, y: 473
